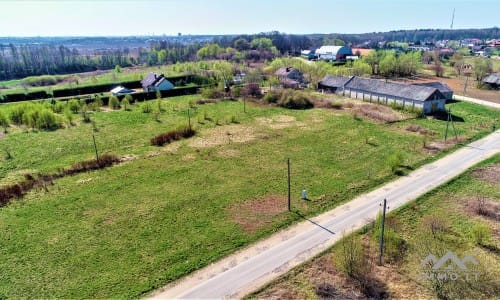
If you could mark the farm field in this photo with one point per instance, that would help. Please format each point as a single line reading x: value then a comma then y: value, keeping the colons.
x: 448, y: 218
x: 167, y: 211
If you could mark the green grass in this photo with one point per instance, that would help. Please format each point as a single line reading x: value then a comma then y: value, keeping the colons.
x: 123, y: 231
x: 447, y: 202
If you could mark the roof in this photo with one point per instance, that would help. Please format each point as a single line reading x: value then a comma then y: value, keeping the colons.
x: 152, y: 79
x: 441, y: 86
x: 121, y: 90
x: 334, y: 81
x: 362, y: 51
x: 333, y: 50
x: 492, y: 78
x: 414, y: 92
x: 284, y: 71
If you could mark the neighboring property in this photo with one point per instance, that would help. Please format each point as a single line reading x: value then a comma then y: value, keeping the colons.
x: 333, y: 84
x: 427, y: 98
x: 156, y: 82
x: 120, y: 90
x: 290, y: 77
x: 333, y: 53
x: 493, y: 80
x: 309, y: 54
x: 441, y: 86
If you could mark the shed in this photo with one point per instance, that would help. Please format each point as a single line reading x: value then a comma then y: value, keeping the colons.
x: 441, y: 86
x: 333, y: 83
x: 156, y: 82
x: 120, y: 90
x: 290, y: 77
x: 333, y: 53
x: 493, y: 80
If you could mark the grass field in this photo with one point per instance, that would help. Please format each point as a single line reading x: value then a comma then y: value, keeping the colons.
x: 165, y: 212
x: 452, y: 204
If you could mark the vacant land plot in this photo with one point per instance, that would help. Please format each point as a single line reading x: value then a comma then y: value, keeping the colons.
x: 446, y: 219
x: 165, y: 212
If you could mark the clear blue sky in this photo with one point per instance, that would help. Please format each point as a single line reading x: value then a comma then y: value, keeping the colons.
x: 144, y: 17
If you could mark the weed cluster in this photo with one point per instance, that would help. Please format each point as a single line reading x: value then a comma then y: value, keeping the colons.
x: 174, y: 135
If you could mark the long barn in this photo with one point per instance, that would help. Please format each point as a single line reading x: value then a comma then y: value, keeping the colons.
x: 429, y: 99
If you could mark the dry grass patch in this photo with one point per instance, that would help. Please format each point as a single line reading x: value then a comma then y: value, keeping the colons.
x: 419, y: 129
x: 489, y: 174
x: 229, y: 153
x: 378, y: 113
x: 258, y: 213
x: 280, y: 122
x: 440, y: 145
x: 484, y: 207
x: 224, y: 135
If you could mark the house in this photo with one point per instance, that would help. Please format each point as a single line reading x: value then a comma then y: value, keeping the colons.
x: 441, y: 86
x: 156, y: 82
x: 333, y: 53
x: 334, y: 84
x: 493, y: 80
x: 428, y: 99
x: 290, y: 77
x: 120, y: 90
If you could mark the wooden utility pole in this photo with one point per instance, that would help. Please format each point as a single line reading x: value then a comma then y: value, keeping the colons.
x: 448, y: 121
x: 289, y: 193
x: 189, y: 119
x: 382, y: 234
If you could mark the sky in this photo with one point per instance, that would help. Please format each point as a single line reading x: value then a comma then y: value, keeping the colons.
x: 169, y: 17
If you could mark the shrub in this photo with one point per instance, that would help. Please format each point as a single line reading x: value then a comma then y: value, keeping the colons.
x: 74, y: 106
x: 395, y: 160
x: 4, y: 121
x: 104, y: 161
x: 146, y: 107
x: 114, y: 102
x: 271, y: 97
x: 174, y: 135
x: 480, y: 234
x: 47, y: 120
x: 295, y: 100
x: 252, y: 89
x: 209, y: 93
x: 58, y: 107
x: 96, y: 105
x: 17, y: 112
x: 125, y: 103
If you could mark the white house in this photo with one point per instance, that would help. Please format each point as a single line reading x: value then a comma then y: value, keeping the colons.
x: 120, y: 90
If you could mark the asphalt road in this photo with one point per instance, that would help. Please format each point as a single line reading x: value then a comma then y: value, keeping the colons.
x: 247, y: 270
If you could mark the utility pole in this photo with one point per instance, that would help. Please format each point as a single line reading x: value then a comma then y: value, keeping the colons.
x: 289, y: 193
x: 244, y: 105
x: 382, y: 234
x: 95, y: 147
x: 450, y: 120
x: 189, y: 119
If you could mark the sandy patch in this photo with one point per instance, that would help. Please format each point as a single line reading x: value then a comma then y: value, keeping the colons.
x: 223, y: 135
x: 439, y: 145
x: 254, y: 214
x: 128, y: 157
x: 84, y: 180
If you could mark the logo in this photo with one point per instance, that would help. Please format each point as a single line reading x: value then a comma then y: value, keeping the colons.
x: 450, y: 267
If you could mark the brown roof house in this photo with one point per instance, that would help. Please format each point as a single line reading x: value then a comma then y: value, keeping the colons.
x: 441, y: 86
x: 156, y: 82
x: 290, y: 78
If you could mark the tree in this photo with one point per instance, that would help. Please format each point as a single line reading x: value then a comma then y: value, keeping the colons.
x: 360, y: 67
x: 372, y: 59
x: 482, y: 67
x: 262, y: 44
x: 333, y: 41
x: 438, y: 66
x: 456, y: 62
x: 388, y: 63
x: 241, y: 44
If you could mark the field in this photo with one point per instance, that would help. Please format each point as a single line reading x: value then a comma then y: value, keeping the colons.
x: 167, y: 211
x: 454, y: 213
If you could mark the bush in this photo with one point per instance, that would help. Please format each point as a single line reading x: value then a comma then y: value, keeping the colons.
x: 174, y: 135
x: 209, y: 93
x: 104, y: 161
x: 58, y: 107
x: 295, y: 100
x: 125, y: 103
x: 74, y: 105
x: 146, y: 107
x: 48, y: 120
x: 271, y: 97
x: 4, y: 121
x: 252, y: 89
x: 480, y: 234
x: 114, y: 102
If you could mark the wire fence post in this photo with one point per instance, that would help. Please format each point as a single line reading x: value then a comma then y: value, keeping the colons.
x: 289, y: 193
x: 382, y: 234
